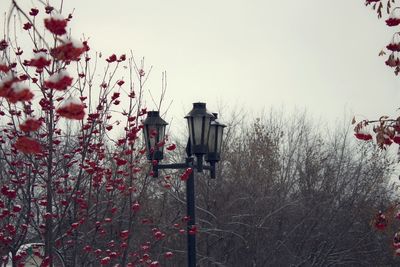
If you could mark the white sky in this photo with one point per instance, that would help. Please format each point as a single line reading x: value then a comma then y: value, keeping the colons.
x: 253, y: 54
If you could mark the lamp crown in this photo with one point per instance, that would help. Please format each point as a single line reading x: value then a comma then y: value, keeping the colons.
x: 153, y: 118
x: 199, y: 109
x: 153, y: 113
x: 199, y: 105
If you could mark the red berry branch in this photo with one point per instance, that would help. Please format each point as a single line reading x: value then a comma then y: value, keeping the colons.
x: 385, y: 131
x: 73, y: 177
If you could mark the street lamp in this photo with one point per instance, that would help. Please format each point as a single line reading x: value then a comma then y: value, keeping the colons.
x: 199, y: 127
x: 154, y: 132
x: 214, y: 143
x: 205, y: 138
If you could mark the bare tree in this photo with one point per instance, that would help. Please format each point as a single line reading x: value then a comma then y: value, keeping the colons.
x: 291, y: 194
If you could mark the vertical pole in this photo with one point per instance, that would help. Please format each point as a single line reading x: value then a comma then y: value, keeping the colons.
x: 212, y: 170
x: 190, y: 205
x: 155, y: 169
x: 199, y: 163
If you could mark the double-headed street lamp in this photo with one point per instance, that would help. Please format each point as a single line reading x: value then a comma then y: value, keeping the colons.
x: 205, y: 139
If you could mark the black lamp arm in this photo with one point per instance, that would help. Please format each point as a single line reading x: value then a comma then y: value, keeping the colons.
x: 179, y: 166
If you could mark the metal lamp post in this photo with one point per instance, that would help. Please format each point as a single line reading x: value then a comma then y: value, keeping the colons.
x: 205, y: 138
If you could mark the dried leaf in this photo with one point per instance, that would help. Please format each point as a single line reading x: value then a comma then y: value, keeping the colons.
x: 384, y: 118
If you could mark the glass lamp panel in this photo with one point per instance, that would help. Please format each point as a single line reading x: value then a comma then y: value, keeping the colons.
x: 147, y: 137
x: 220, y: 130
x: 190, y: 126
x: 161, y: 132
x: 212, y: 139
x: 197, y: 127
x: 153, y: 133
x: 160, y: 136
x: 206, y: 130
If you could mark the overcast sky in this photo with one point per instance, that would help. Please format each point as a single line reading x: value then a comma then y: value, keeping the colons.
x: 317, y: 54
